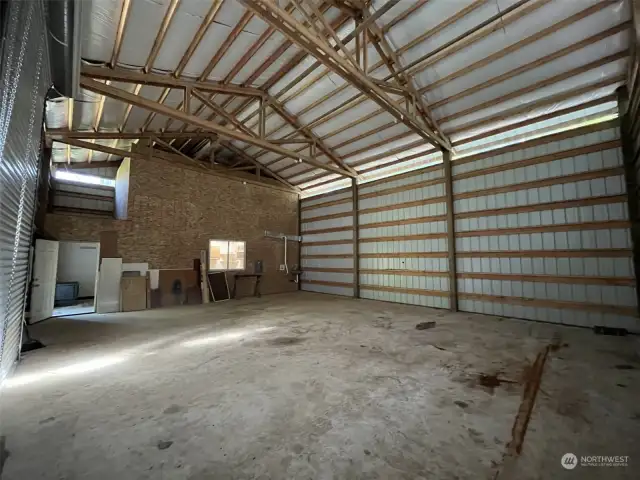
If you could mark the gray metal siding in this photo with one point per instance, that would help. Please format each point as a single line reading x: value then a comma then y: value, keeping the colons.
x: 403, y: 239
x: 25, y: 79
x: 543, y: 233
x: 327, y: 243
x: 79, y: 198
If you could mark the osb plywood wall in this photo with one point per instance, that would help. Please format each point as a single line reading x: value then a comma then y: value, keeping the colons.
x: 174, y: 211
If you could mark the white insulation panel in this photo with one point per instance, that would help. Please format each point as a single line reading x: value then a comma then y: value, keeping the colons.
x: 328, y: 268
x: 559, y: 208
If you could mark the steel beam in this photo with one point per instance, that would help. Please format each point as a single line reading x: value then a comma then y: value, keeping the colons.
x: 141, y: 102
x: 272, y: 14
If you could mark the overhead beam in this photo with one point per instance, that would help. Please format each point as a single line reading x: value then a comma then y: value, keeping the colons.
x: 385, y: 50
x: 55, y: 134
x: 307, y: 132
x: 272, y: 14
x: 85, y: 165
x: 258, y: 165
x: 371, y: 18
x: 141, y: 102
x: 221, y: 172
x: 131, y: 76
x: 218, y: 110
x: 98, y: 147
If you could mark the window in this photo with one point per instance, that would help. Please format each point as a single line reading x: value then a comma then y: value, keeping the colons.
x: 227, y: 255
x: 84, y: 179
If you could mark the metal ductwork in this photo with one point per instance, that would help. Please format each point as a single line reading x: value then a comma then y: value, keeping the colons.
x: 64, y: 27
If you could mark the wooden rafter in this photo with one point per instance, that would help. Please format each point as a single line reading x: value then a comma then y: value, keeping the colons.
x: 463, y: 41
x: 393, y: 61
x: 59, y: 133
x: 356, y: 100
x: 266, y: 64
x: 122, y: 25
x: 216, y: 170
x: 124, y: 96
x: 324, y: 52
x: 169, y: 81
x: 162, y: 32
x: 307, y: 132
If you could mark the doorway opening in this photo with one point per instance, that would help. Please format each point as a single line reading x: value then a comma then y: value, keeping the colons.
x: 76, y: 278
x: 65, y: 276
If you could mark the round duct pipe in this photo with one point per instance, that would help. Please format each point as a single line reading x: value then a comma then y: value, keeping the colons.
x: 63, y: 23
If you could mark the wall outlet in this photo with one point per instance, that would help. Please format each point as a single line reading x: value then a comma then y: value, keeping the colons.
x: 282, y: 267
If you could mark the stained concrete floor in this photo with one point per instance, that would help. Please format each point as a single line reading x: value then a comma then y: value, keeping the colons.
x: 312, y: 386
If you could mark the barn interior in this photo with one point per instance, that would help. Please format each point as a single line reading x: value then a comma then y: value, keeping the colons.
x: 319, y: 239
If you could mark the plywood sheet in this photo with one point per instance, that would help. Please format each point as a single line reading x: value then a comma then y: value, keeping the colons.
x: 133, y: 294
x: 109, y: 285
x: 109, y: 244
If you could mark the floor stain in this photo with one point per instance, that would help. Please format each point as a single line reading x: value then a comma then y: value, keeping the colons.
x: 164, y: 444
x: 489, y: 381
x: 283, y: 341
x: 461, y: 404
x: 47, y: 420
x: 425, y: 325
x: 172, y: 409
x: 625, y: 367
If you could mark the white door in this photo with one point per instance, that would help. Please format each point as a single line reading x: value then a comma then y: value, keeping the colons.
x: 43, y: 288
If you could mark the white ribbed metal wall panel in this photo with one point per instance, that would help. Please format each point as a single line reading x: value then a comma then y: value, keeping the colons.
x: 327, y: 243
x: 403, y: 239
x: 543, y: 233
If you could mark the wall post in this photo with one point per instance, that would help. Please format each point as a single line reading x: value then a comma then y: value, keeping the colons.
x: 356, y: 239
x: 451, y: 236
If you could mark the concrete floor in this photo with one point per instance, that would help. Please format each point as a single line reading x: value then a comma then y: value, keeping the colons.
x: 310, y: 386
x: 81, y: 308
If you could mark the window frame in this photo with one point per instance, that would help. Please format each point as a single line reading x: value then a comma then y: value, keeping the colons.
x: 227, y: 269
x: 83, y: 179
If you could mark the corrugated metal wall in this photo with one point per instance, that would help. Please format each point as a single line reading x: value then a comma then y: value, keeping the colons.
x: 403, y: 239
x: 327, y: 243
x: 87, y: 199
x: 25, y: 80
x: 543, y: 232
